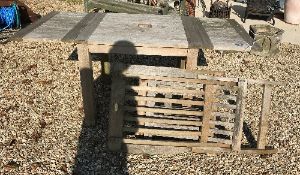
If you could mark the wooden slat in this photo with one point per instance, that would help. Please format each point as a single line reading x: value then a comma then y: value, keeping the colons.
x: 224, y: 114
x: 225, y: 124
x: 20, y: 34
x: 195, y: 32
x: 154, y: 149
x: 216, y: 150
x: 263, y: 82
x: 227, y: 106
x: 116, y: 112
x: 142, y: 120
x: 123, y: 7
x: 207, y: 77
x: 210, y: 150
x: 55, y: 28
x: 165, y: 111
x: 173, y: 143
x: 208, y: 100
x: 238, y: 124
x: 222, y: 132
x: 186, y: 80
x: 164, y: 100
x: 227, y: 97
x: 258, y: 151
x: 87, y: 31
x: 263, y: 121
x: 144, y: 93
x: 161, y: 132
x: 223, y: 35
x: 94, y: 48
x: 73, y: 33
x: 165, y: 90
x: 164, y: 31
x: 218, y: 140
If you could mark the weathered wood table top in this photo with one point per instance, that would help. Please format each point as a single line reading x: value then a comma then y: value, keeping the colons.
x: 143, y: 30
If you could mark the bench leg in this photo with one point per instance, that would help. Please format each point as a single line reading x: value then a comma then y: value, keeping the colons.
x: 192, y: 59
x: 87, y: 84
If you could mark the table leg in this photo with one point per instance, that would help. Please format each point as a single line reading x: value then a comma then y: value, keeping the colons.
x: 87, y: 84
x: 192, y: 59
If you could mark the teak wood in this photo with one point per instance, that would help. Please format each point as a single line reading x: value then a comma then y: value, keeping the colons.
x: 159, y: 116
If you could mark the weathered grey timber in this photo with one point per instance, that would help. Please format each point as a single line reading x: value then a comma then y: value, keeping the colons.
x: 142, y: 30
x: 197, y: 116
x: 122, y: 7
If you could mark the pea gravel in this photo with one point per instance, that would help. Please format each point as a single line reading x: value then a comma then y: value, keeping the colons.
x: 41, y: 113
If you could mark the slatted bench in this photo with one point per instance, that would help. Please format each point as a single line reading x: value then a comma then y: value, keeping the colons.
x: 163, y: 110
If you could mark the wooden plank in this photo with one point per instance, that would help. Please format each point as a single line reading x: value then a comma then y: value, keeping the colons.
x: 165, y: 111
x: 263, y: 82
x: 161, y: 132
x: 164, y: 100
x: 210, y: 150
x: 225, y: 124
x: 87, y: 31
x: 239, y: 119
x: 164, y: 90
x: 216, y: 150
x: 78, y: 28
x: 224, y: 115
x: 241, y: 31
x: 116, y: 112
x: 20, y: 34
x: 263, y: 121
x: 123, y: 7
x: 142, y: 120
x: 159, y: 71
x: 222, y: 132
x: 227, y: 106
x: 209, y: 91
x: 87, y: 84
x: 162, y: 31
x: 192, y: 59
x: 196, y: 35
x: 259, y: 151
x: 94, y: 48
x: 144, y: 93
x: 207, y: 77
x: 185, y: 80
x: 154, y: 150
x: 55, y: 28
x: 173, y: 143
x: 223, y: 35
x: 219, y: 140
x: 227, y: 97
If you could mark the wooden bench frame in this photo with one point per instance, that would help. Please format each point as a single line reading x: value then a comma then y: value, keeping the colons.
x: 115, y: 140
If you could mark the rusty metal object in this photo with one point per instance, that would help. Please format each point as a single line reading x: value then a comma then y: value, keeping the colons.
x: 27, y: 15
x: 190, y: 6
x: 219, y: 9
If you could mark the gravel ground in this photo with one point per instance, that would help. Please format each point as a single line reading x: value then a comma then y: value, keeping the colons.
x: 41, y: 114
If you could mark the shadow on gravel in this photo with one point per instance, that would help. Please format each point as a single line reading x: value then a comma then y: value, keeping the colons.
x: 249, y: 136
x: 93, y: 156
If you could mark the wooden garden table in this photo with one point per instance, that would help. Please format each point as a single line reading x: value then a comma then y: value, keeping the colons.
x: 139, y: 34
